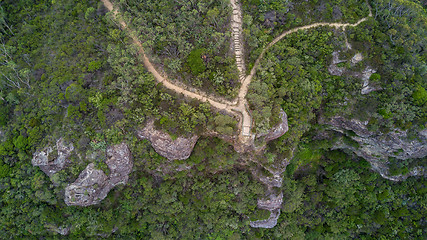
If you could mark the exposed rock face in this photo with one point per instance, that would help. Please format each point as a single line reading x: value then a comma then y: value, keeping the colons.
x: 53, y: 159
x: 356, y: 58
x: 89, y: 188
x: 163, y: 144
x: 333, y: 68
x: 274, y: 177
x: 278, y: 130
x: 61, y: 230
x: 273, y: 204
x: 1, y: 136
x: 340, y: 123
x: 271, y: 222
x: 378, y: 147
x: 364, y: 75
x: 119, y: 161
x: 366, y: 88
x: 92, y: 185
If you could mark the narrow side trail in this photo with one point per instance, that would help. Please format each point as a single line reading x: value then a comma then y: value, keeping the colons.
x: 239, y: 107
x: 244, y: 88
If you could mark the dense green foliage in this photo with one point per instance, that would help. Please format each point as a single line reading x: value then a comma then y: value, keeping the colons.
x: 265, y: 19
x: 67, y: 70
x: 189, y: 40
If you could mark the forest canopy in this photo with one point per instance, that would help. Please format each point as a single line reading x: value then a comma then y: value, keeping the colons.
x: 69, y: 70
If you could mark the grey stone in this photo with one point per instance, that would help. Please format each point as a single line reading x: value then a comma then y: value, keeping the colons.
x: 273, y: 204
x: 163, y: 144
x: 271, y: 222
x: 53, y: 159
x: 356, y: 58
x: 377, y: 147
x: 88, y: 189
x: 93, y: 185
x: 61, y: 229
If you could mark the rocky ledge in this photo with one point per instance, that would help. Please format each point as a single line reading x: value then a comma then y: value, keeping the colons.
x: 163, y: 144
x: 278, y: 130
x: 273, y: 179
x: 53, y: 159
x: 377, y: 147
x: 272, y: 204
x: 93, y: 185
x: 365, y: 75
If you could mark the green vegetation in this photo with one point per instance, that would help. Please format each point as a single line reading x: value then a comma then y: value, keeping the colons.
x: 265, y: 19
x: 189, y: 40
x: 67, y: 70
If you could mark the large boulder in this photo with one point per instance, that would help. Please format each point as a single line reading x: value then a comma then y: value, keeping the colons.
x: 279, y: 129
x: 119, y: 161
x: 89, y: 188
x: 93, y: 185
x: 52, y: 159
x: 163, y: 144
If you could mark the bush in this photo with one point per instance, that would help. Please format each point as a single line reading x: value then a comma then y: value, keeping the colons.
x: 4, y: 170
x: 420, y: 96
x: 4, y: 115
x: 195, y: 61
x: 73, y: 92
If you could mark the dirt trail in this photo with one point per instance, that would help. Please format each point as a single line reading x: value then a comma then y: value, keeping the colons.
x: 248, y: 79
x: 238, y: 107
x: 199, y: 96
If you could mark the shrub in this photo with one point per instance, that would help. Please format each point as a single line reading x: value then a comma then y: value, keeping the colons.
x: 420, y: 96
x: 195, y: 61
x: 73, y: 92
x: 4, y: 115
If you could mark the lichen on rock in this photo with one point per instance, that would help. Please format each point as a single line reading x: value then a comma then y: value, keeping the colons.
x: 93, y: 185
x: 163, y: 144
x: 278, y: 130
x: 273, y: 204
x: 53, y: 159
x: 377, y: 147
x: 365, y: 75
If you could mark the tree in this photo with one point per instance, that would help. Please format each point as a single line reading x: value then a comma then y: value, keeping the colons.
x: 12, y: 75
x: 420, y: 96
x: 195, y: 61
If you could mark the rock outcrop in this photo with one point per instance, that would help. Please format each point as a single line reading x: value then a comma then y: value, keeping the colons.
x: 60, y: 230
x: 356, y: 58
x: 377, y: 148
x: 271, y: 222
x: 89, y: 188
x: 119, y: 161
x: 53, y: 159
x: 93, y: 185
x: 1, y: 136
x: 163, y: 144
x: 333, y: 69
x: 272, y: 204
x: 278, y: 130
x: 366, y: 86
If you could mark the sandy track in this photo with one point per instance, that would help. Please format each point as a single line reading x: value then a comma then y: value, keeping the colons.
x: 166, y: 83
x: 238, y: 107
